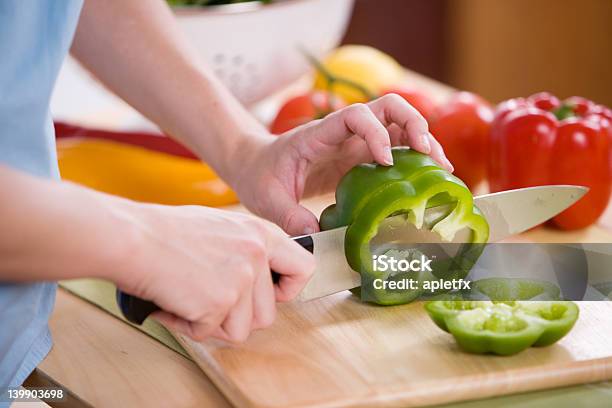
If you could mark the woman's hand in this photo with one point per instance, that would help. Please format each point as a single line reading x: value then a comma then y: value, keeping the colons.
x: 274, y: 176
x: 209, y: 270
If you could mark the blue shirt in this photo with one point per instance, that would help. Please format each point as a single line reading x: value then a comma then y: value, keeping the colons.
x: 35, y: 36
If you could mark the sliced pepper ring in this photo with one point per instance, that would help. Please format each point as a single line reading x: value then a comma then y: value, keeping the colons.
x: 503, y: 328
x: 370, y: 193
x: 440, y: 310
x: 558, y: 318
x: 467, y: 331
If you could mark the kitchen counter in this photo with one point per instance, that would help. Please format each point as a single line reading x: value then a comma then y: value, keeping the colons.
x: 104, y: 362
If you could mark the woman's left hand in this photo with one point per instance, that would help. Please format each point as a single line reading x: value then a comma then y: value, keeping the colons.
x: 276, y: 174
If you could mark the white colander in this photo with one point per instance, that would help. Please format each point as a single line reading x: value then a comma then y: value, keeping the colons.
x: 255, y: 49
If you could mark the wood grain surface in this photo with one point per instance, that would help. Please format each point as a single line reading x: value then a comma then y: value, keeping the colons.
x: 108, y: 363
x: 339, y: 352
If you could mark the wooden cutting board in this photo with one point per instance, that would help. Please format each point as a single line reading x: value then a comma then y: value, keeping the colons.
x: 339, y: 352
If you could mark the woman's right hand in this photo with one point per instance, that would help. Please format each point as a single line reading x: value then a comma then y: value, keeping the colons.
x: 209, y: 269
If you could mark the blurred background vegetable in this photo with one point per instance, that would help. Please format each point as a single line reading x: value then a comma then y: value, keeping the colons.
x: 468, y: 44
x: 542, y: 140
x: 462, y: 126
x: 357, y: 73
x: 147, y: 168
x: 302, y: 109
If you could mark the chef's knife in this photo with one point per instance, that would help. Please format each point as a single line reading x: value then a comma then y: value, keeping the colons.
x: 507, y: 212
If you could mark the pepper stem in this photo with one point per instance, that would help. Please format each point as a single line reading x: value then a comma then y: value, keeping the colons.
x: 334, y: 79
x: 566, y: 110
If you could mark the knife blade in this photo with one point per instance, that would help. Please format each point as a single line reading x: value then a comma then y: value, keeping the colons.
x: 508, y: 213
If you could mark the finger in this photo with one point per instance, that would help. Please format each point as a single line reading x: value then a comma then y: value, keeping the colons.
x: 437, y: 153
x: 220, y: 334
x: 197, y: 331
x: 393, y: 109
x: 400, y: 137
x: 264, y: 299
x: 290, y: 216
x: 397, y: 135
x: 237, y: 325
x: 291, y: 261
x: 355, y: 120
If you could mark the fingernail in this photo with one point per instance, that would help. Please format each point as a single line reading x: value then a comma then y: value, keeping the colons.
x: 388, y: 160
x: 425, y: 143
x: 308, y: 231
x: 448, y: 165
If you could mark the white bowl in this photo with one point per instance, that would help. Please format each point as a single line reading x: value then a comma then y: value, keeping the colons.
x: 255, y: 49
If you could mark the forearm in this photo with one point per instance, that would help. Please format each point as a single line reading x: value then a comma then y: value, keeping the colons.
x: 137, y: 50
x: 52, y: 230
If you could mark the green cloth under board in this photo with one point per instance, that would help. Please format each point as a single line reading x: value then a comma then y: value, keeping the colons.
x: 102, y: 294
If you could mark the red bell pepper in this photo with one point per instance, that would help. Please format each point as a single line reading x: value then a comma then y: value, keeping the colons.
x: 541, y: 140
x: 462, y: 127
x: 151, y: 141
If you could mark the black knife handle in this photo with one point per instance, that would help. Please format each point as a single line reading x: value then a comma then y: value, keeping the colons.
x: 136, y: 310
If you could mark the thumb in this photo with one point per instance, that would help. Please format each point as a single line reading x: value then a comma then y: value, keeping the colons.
x: 294, y: 219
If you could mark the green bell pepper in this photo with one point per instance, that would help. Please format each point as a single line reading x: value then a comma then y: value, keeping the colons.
x: 503, y: 328
x: 369, y: 193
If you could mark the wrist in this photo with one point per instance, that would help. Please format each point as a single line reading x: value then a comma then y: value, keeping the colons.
x: 117, y: 240
x: 241, y: 161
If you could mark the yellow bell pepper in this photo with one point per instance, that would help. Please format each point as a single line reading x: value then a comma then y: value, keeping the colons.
x: 141, y: 174
x: 364, y: 66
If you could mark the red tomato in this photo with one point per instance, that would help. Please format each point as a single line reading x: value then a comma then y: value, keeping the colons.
x: 462, y: 127
x: 304, y: 108
x: 419, y: 100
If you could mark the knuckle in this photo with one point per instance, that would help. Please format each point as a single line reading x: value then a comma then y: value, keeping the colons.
x: 245, y: 276
x: 216, y: 302
x: 254, y: 249
x: 355, y: 112
x: 225, y: 300
x: 231, y: 298
x: 393, y: 98
x: 357, y: 109
x: 238, y: 336
x: 192, y: 315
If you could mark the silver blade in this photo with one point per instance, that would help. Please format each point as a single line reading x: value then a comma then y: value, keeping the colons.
x: 514, y: 211
x: 507, y: 212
